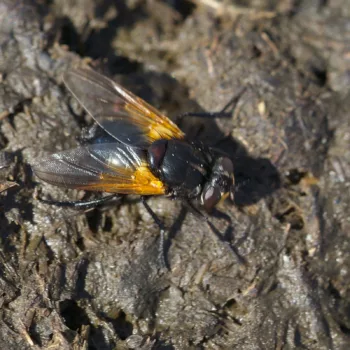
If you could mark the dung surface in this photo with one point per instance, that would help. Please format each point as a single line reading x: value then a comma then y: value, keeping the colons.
x: 74, y: 280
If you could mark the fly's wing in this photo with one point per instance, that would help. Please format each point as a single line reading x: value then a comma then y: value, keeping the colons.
x: 110, y: 167
x: 126, y: 117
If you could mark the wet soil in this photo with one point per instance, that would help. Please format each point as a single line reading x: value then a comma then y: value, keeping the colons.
x: 91, y: 280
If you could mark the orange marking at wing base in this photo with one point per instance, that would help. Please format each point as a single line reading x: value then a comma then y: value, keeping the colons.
x: 167, y: 131
x: 141, y: 182
x: 148, y: 182
x: 159, y: 126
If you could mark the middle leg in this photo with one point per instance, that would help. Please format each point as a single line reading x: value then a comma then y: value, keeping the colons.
x: 161, y: 256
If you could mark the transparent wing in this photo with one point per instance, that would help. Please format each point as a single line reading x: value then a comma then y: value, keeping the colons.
x: 126, y: 117
x: 110, y: 167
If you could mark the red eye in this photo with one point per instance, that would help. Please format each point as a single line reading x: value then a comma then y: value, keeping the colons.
x: 211, y: 196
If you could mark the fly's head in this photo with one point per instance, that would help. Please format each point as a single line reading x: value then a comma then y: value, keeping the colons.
x: 220, y: 185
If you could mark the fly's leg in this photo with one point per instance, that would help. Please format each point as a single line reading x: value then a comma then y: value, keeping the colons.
x: 203, y: 115
x: 197, y: 213
x: 215, y: 234
x: 161, y: 254
x: 83, y: 204
x: 221, y: 114
x: 233, y: 102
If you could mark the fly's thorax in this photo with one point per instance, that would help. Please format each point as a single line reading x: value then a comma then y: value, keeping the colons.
x: 182, y: 167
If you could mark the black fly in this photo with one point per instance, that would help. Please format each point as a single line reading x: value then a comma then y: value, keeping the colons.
x: 142, y: 152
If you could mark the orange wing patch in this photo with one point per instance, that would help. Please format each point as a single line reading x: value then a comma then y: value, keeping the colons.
x: 155, y: 125
x: 141, y: 182
x: 164, y: 131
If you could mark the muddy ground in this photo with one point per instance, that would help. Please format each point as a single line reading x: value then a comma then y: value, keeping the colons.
x: 74, y: 280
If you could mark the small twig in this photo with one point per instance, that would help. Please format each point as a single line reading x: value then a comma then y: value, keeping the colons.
x: 232, y: 10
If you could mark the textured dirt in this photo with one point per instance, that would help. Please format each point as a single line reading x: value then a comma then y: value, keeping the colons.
x: 75, y: 280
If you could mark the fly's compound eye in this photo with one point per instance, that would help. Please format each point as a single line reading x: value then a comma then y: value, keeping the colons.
x: 210, y: 197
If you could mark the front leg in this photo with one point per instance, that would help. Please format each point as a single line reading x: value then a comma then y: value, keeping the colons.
x: 217, y: 236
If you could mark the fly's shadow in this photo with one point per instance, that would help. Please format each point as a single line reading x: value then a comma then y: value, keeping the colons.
x: 255, y: 178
